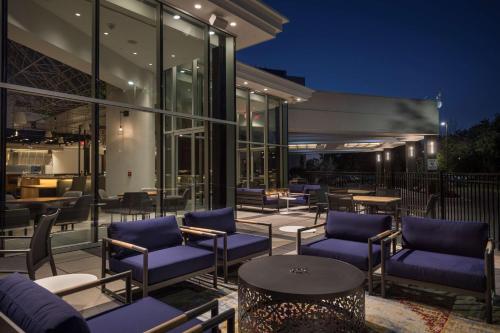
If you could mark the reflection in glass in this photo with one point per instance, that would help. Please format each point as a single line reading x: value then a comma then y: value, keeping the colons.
x: 274, y: 167
x: 242, y: 114
x: 273, y: 115
x: 257, y: 172
x: 258, y: 117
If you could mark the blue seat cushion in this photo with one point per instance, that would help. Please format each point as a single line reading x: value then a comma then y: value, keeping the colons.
x: 354, y: 253
x: 217, y: 219
x: 165, y: 264
x: 459, y: 238
x: 296, y: 188
x: 152, y: 234
x: 311, y: 187
x: 356, y: 227
x: 35, y: 309
x: 269, y: 200
x: 445, y: 269
x: 137, y: 317
x: 299, y: 200
x: 239, y: 245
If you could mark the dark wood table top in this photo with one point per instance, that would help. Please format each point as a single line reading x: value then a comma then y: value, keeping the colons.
x: 375, y: 199
x: 299, y: 275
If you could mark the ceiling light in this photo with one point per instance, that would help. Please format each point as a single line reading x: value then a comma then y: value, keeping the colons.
x: 106, y: 33
x: 265, y: 89
x: 134, y: 53
x: 78, y: 14
x: 286, y: 102
x: 150, y: 64
x: 177, y: 17
x: 233, y: 24
x: 211, y: 33
x: 252, y: 92
x: 299, y: 99
x: 183, y: 71
x: 130, y: 83
x: 172, y: 55
x: 197, y: 6
x: 245, y: 82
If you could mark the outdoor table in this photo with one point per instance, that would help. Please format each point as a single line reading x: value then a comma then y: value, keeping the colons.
x: 287, y: 199
x: 372, y: 200
x: 357, y: 191
x: 291, y: 293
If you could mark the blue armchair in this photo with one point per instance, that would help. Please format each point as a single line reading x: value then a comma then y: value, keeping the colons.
x: 305, y: 194
x: 350, y: 237
x: 233, y: 247
x: 456, y: 256
x: 27, y: 307
x: 154, y: 251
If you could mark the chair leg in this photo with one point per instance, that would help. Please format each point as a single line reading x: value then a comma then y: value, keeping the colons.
x: 52, y: 265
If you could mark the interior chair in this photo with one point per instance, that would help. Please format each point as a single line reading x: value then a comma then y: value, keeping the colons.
x: 78, y: 184
x: 135, y: 204
x: 75, y: 213
x: 72, y: 194
x: 174, y: 203
x: 38, y: 253
x: 15, y: 218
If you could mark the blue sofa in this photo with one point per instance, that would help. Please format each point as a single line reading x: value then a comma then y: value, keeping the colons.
x: 154, y: 251
x: 233, y: 247
x: 456, y: 256
x: 27, y: 307
x: 256, y: 197
x: 350, y: 237
x: 305, y: 194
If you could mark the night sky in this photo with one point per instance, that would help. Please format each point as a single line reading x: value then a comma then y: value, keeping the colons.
x: 393, y: 48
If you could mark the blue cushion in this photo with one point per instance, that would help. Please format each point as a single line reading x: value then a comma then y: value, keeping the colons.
x: 152, y: 234
x: 35, y: 309
x: 238, y: 245
x: 268, y: 200
x: 165, y: 264
x: 299, y: 200
x: 354, y: 253
x: 137, y: 317
x: 311, y: 187
x: 355, y: 227
x: 446, y: 269
x: 459, y: 238
x: 255, y: 190
x: 217, y: 219
x: 296, y: 188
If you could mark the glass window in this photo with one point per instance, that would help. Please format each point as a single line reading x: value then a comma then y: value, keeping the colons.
x: 257, y: 173
x: 242, y: 165
x: 49, y: 45
x: 273, y: 115
x: 274, y: 167
x: 258, y: 116
x: 128, y: 51
x: 242, y: 113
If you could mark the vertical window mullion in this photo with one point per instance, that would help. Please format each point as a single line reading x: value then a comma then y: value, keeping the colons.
x: 95, y: 92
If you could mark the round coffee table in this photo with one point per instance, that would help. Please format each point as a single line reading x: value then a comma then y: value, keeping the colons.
x: 287, y: 199
x: 300, y: 294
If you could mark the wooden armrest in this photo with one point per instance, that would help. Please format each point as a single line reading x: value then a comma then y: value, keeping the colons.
x: 182, y: 318
x: 96, y: 283
x: 125, y: 245
x: 391, y: 237
x: 198, y: 232
x: 253, y: 222
x: 380, y: 236
x: 212, y: 231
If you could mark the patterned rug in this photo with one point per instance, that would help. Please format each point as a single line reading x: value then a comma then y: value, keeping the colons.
x: 405, y: 310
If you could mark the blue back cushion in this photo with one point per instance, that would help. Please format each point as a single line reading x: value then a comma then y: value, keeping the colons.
x: 152, y: 234
x: 459, y: 238
x: 355, y: 227
x: 311, y: 187
x: 35, y: 309
x: 296, y: 188
x: 217, y: 219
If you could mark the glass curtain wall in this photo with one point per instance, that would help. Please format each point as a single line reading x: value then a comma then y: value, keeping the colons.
x: 261, y: 140
x: 161, y: 138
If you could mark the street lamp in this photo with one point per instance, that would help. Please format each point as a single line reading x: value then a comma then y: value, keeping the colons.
x: 445, y: 125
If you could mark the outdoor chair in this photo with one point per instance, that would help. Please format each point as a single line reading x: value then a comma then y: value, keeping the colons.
x: 387, y: 209
x: 256, y: 197
x: 154, y: 251
x: 440, y: 254
x: 308, y: 197
x: 350, y: 237
x: 75, y: 213
x: 429, y: 211
x: 38, y: 253
x: 232, y: 246
x: 27, y: 307
x: 341, y: 202
x: 174, y: 203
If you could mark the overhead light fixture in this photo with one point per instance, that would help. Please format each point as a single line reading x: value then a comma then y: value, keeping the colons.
x: 106, y: 33
x: 78, y: 14
x: 245, y: 82
x: 172, y: 55
x: 252, y: 92
x: 16, y: 133
x: 134, y: 53
x: 265, y: 89
x: 211, y: 33
x: 299, y: 99
x: 443, y: 123
x: 130, y: 83
x: 197, y: 6
x: 233, y: 24
x: 286, y: 102
x: 177, y: 17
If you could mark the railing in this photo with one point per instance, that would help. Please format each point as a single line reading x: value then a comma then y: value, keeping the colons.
x: 462, y: 196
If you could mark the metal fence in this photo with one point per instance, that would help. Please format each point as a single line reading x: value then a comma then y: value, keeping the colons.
x: 462, y: 196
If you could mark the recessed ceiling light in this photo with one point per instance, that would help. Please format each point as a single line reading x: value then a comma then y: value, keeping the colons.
x: 134, y: 53
x: 78, y: 14
x: 265, y: 89
x: 106, y: 33
x: 233, y: 24
x: 177, y: 17
x: 183, y: 71
x: 197, y: 6
x: 299, y: 99
x: 172, y: 55
x: 245, y: 82
x: 130, y: 83
x: 150, y: 64
x: 252, y: 92
x: 211, y: 33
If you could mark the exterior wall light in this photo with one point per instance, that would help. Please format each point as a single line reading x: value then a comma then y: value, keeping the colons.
x: 412, y: 151
x: 387, y: 156
x: 379, y: 158
x: 432, y: 148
